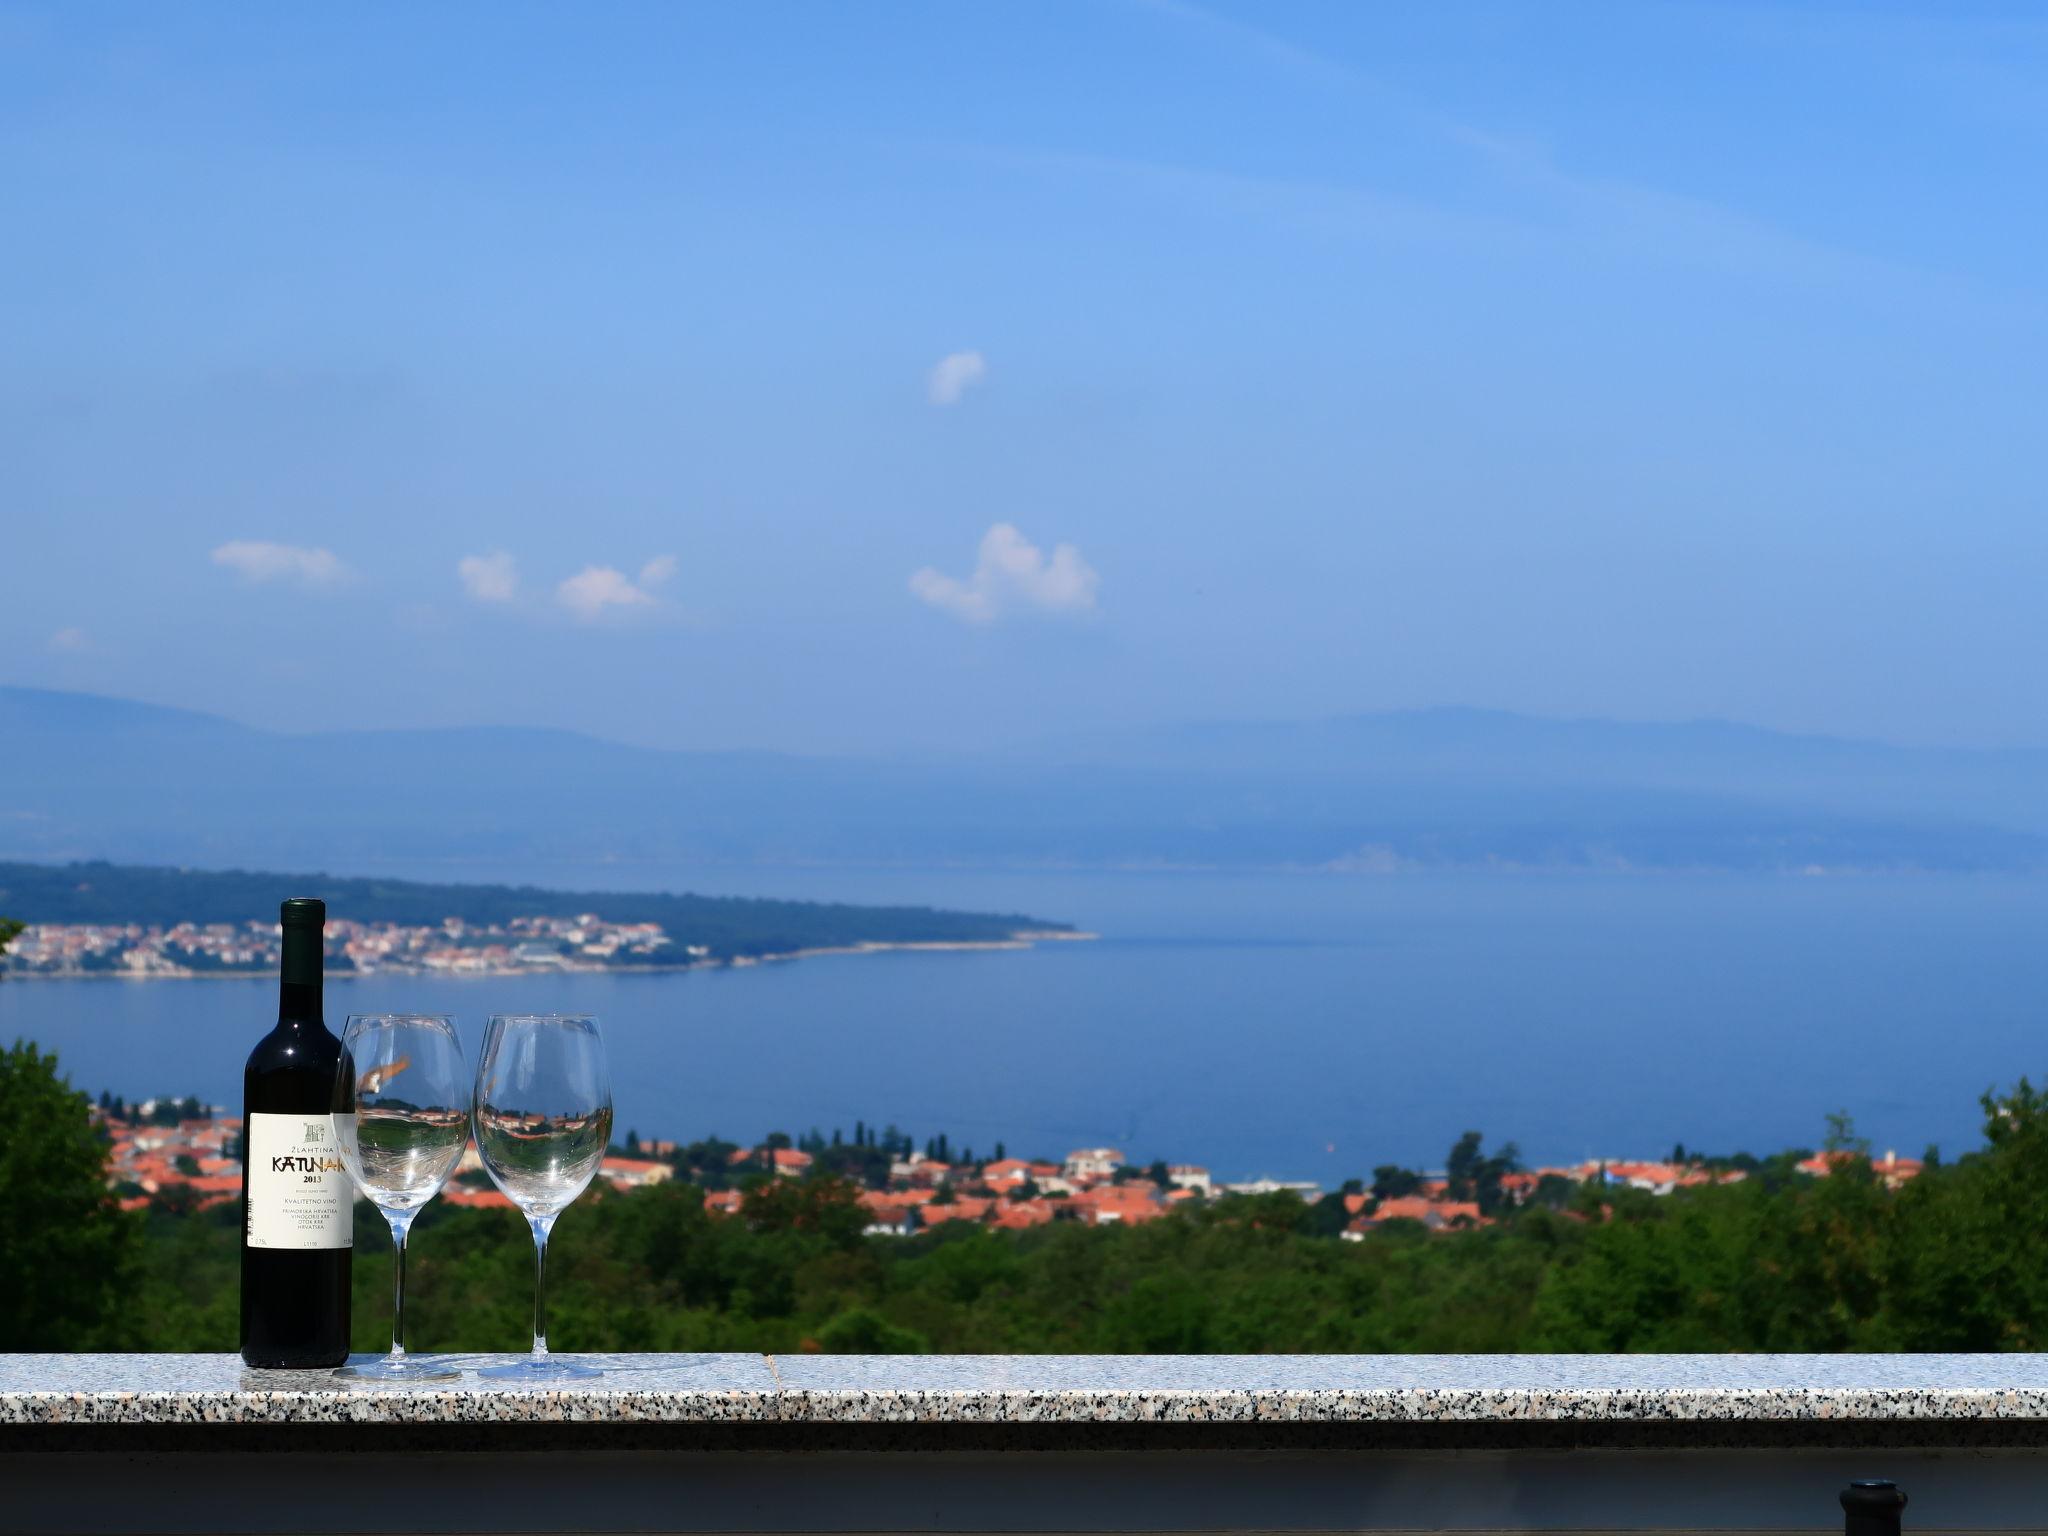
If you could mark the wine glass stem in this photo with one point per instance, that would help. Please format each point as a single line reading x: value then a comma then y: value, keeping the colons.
x: 542, y: 1225
x: 400, y: 1226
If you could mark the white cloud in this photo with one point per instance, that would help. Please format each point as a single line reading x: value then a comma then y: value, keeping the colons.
x: 492, y: 578
x: 71, y: 639
x: 953, y: 374
x: 1011, y: 574
x: 597, y: 589
x: 255, y: 560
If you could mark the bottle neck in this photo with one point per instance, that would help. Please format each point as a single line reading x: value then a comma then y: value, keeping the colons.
x: 298, y: 1003
x: 298, y: 995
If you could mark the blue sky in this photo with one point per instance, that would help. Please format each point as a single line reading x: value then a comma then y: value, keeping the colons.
x: 897, y: 377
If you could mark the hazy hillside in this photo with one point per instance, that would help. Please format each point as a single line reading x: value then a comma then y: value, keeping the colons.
x: 88, y: 777
x: 1476, y: 746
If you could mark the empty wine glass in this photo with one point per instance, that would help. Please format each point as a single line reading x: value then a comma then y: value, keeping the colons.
x: 406, y: 1136
x: 543, y: 1121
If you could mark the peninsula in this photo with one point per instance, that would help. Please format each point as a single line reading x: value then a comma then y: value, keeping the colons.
x: 141, y: 920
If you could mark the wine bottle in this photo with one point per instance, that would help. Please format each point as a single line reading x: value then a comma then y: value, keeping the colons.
x: 298, y: 1206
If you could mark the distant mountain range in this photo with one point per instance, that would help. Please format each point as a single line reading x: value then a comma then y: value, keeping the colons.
x: 88, y: 777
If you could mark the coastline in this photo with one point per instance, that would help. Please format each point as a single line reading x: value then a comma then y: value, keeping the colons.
x: 1024, y: 939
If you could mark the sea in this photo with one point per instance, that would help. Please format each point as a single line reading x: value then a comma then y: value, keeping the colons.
x: 1297, y: 1026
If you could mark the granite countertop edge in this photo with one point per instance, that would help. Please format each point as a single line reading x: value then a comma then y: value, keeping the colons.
x: 1404, y: 1405
x: 1053, y: 1390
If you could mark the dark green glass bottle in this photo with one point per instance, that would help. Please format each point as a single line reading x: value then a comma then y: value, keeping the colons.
x: 298, y: 1205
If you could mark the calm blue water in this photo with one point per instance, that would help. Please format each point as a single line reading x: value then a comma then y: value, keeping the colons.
x: 1295, y: 1025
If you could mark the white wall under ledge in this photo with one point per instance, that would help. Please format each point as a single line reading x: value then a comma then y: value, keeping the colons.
x: 698, y: 1443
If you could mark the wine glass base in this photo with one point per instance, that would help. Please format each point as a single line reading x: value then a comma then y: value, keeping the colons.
x: 410, y: 1368
x: 553, y: 1368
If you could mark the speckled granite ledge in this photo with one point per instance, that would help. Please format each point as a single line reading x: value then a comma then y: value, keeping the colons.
x: 1411, y: 1388
x: 1057, y: 1390
x: 219, y: 1389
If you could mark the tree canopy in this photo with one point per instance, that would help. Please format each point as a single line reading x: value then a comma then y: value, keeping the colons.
x: 69, y: 1256
x: 1952, y: 1260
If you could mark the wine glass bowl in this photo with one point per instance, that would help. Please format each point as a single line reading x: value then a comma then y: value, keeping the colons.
x: 542, y: 1162
x: 411, y: 1123
x: 543, y: 1116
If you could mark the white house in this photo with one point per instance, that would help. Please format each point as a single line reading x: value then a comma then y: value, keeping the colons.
x: 1093, y: 1162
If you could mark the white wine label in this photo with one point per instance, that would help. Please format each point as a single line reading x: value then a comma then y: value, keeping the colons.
x: 300, y: 1194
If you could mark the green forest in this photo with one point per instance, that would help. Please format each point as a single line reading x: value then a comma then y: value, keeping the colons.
x: 730, y: 926
x: 1954, y: 1260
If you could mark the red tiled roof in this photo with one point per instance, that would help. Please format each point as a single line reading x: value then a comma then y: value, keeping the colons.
x: 485, y: 1199
x: 879, y: 1199
x: 1417, y: 1208
x: 966, y: 1208
x: 1014, y: 1214
x: 1402, y: 1208
x: 1136, y: 1192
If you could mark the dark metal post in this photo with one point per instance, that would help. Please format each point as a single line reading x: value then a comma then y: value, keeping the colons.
x: 1870, y: 1507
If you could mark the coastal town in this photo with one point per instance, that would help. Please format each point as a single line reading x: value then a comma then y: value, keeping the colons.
x: 523, y: 945
x: 182, y: 1155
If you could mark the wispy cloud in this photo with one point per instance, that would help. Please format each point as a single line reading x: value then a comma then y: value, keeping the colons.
x: 1548, y: 203
x: 1324, y: 208
x: 953, y: 375
x: 597, y: 591
x: 492, y: 578
x: 71, y: 640
x: 255, y: 560
x: 1011, y: 574
x: 1243, y: 37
